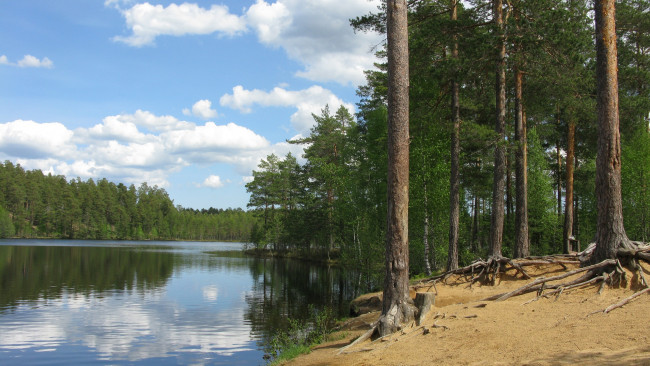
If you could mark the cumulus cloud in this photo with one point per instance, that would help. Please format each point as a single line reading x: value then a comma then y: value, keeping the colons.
x: 155, y: 123
x: 114, y: 128
x: 213, y: 137
x: 202, y: 109
x: 318, y: 35
x: 36, y: 140
x: 31, y: 61
x: 213, y: 181
x: 147, y: 22
x: 28, y: 61
x: 117, y: 149
x: 307, y: 102
x: 270, y: 21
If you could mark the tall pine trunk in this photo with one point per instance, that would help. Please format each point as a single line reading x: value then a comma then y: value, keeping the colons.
x: 610, y: 232
x: 568, y: 197
x: 425, y: 236
x: 498, y: 185
x: 522, y: 246
x: 397, y: 307
x: 454, y: 180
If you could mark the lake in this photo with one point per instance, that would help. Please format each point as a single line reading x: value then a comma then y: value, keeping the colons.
x: 114, y: 302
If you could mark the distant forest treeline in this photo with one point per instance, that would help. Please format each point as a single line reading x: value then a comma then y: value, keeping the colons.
x: 34, y: 205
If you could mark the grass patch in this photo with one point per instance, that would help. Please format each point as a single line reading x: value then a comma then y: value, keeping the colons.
x: 301, y: 336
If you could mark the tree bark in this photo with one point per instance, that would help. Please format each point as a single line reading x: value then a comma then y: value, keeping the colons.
x: 610, y: 232
x: 498, y: 185
x: 558, y: 157
x: 425, y: 238
x: 454, y: 180
x: 397, y: 307
x: 476, y: 246
x: 522, y: 246
x: 568, y: 197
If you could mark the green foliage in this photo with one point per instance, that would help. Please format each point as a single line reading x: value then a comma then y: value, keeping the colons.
x: 38, y: 205
x: 635, y: 178
x: 300, y: 336
x: 542, y: 219
x: 6, y: 226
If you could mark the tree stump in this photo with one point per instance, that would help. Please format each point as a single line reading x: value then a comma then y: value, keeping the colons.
x: 423, y: 302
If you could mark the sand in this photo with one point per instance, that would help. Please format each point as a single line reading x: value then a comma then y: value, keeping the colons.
x: 554, y: 331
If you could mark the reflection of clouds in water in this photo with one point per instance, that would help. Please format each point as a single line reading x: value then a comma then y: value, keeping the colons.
x: 121, y: 328
x: 21, y: 336
x: 210, y: 293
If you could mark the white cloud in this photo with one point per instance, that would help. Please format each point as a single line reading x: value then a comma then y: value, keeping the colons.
x: 147, y: 22
x: 31, y: 61
x: 213, y: 181
x: 318, y: 35
x: 307, y: 102
x: 30, y: 139
x: 212, y: 137
x: 115, y: 128
x: 116, y: 149
x: 269, y: 20
x: 155, y: 123
x: 202, y: 109
x: 28, y: 61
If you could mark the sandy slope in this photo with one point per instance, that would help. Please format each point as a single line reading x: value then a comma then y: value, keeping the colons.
x: 544, y: 332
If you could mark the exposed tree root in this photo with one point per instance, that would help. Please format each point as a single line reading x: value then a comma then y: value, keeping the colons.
x: 609, y: 272
x: 626, y: 300
x: 488, y: 271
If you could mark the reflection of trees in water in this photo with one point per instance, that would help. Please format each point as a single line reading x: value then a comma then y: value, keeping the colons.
x: 280, y: 288
x: 38, y: 272
x: 285, y: 288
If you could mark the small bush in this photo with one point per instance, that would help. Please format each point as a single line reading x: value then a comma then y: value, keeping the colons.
x: 301, y: 335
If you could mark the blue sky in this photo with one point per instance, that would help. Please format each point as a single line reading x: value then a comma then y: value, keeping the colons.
x: 186, y: 96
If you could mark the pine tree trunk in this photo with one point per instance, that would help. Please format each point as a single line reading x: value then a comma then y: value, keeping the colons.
x: 508, y: 205
x: 476, y: 244
x: 397, y: 307
x: 454, y: 180
x: 425, y: 237
x: 522, y: 246
x: 498, y: 185
x: 610, y: 232
x: 558, y: 157
x: 568, y: 197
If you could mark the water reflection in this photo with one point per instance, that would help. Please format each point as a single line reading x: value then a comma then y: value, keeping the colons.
x: 152, y: 304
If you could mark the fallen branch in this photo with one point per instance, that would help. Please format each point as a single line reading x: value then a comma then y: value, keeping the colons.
x: 626, y: 300
x: 435, y: 325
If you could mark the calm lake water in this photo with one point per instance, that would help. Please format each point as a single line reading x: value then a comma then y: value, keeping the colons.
x: 107, y: 302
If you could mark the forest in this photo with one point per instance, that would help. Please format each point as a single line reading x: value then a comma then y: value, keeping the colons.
x: 526, y: 129
x: 35, y: 205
